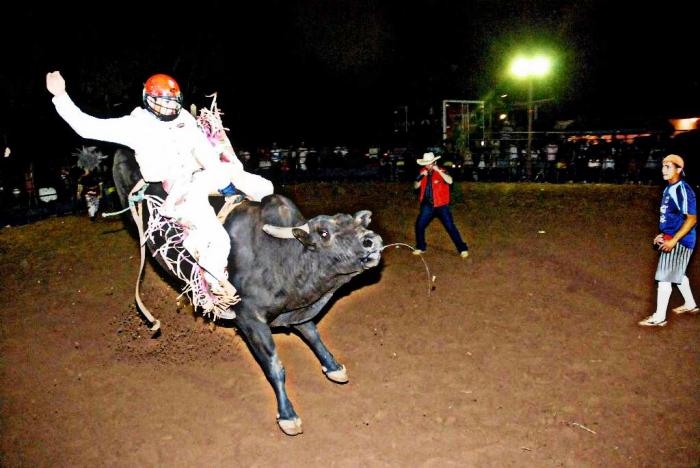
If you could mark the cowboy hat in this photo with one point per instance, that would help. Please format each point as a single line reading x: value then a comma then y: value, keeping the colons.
x: 428, y: 158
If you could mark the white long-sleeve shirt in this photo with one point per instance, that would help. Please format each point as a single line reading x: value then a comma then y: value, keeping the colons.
x: 164, y: 150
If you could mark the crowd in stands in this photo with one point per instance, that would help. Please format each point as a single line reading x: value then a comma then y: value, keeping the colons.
x: 553, y: 159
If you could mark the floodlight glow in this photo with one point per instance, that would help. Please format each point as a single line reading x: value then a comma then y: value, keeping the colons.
x: 540, y: 66
x: 524, y: 67
x: 520, y: 67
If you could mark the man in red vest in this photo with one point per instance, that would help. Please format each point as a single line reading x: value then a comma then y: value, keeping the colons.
x: 434, y: 184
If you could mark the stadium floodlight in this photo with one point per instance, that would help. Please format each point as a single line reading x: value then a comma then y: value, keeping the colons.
x: 530, y: 68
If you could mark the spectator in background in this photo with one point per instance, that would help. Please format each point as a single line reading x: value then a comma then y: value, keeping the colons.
x: 551, y: 150
x: 4, y: 171
x: 89, y: 187
x: 434, y: 184
x: 676, y: 242
x: 513, y: 162
x: 90, y: 190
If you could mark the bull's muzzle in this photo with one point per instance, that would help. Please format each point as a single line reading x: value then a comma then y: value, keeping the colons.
x: 372, y: 243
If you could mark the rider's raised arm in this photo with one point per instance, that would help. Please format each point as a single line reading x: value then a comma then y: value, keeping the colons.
x: 119, y: 130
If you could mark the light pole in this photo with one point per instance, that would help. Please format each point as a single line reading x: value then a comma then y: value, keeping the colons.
x: 530, y: 68
x: 530, y: 112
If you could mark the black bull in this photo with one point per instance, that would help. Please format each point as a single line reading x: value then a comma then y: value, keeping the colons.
x: 282, y: 282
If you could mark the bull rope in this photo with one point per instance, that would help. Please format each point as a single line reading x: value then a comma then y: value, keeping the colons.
x: 136, y: 196
x: 135, y: 205
x: 431, y: 279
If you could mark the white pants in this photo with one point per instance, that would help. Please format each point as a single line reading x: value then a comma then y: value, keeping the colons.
x: 188, y: 203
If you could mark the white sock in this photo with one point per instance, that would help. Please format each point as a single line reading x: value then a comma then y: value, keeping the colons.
x: 663, y: 294
x: 684, y: 288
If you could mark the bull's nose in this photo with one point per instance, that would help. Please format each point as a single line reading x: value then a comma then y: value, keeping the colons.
x: 371, y: 241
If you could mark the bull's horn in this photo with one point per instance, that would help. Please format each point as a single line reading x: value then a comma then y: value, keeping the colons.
x: 284, y: 232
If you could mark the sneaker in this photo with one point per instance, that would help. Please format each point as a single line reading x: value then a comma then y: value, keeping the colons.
x: 685, y: 309
x: 418, y: 252
x: 227, y: 314
x: 464, y: 253
x: 217, y: 309
x: 650, y: 322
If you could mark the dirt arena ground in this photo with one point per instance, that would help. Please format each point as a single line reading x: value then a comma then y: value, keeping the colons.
x: 526, y: 354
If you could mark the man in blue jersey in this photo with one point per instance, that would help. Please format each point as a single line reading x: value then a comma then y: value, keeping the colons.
x: 675, y: 242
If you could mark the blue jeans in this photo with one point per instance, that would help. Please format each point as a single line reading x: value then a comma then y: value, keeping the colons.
x: 427, y: 213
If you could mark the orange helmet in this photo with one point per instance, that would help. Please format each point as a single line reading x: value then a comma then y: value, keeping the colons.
x: 162, y: 97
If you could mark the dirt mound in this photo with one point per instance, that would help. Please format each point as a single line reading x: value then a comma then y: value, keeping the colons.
x: 184, y: 337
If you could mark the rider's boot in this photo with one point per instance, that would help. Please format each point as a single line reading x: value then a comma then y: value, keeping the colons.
x: 223, y: 297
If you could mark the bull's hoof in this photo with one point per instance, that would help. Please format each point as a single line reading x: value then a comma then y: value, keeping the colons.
x: 291, y: 427
x: 337, y: 376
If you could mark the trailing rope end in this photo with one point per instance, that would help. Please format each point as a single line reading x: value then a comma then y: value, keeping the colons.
x: 156, y: 326
x: 115, y: 213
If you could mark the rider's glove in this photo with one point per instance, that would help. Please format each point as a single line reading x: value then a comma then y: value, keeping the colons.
x: 229, y: 190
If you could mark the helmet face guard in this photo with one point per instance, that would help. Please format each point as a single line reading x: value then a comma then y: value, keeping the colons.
x: 162, y: 97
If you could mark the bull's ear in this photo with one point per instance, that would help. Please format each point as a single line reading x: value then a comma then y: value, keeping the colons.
x: 304, y: 237
x: 363, y: 217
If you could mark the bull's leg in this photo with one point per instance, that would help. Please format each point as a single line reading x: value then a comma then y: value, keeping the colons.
x: 329, y: 365
x: 259, y: 339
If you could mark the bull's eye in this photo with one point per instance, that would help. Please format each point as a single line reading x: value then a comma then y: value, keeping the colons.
x: 323, y: 233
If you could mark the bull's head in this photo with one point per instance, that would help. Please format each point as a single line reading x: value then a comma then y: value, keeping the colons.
x: 351, y: 246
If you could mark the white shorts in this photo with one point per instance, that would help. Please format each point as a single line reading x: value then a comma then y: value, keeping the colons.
x: 672, y: 265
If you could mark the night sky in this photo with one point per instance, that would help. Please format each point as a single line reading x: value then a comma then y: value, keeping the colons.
x: 331, y: 72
